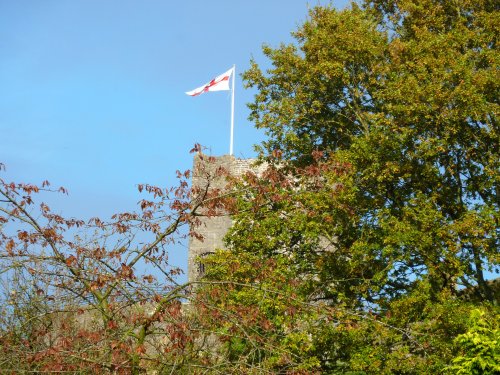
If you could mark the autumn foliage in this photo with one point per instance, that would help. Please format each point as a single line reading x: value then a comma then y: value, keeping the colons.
x: 98, y: 295
x: 367, y: 243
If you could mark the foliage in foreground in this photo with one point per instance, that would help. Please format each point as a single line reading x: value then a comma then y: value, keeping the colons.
x: 267, y: 320
x: 94, y: 296
x: 363, y: 248
x: 479, y: 346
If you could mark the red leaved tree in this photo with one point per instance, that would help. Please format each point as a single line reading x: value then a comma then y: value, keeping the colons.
x: 97, y: 294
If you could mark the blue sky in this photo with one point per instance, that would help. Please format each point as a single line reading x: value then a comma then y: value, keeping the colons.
x: 92, y: 92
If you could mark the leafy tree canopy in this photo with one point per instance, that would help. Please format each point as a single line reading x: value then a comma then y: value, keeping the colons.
x: 382, y: 187
x: 406, y: 93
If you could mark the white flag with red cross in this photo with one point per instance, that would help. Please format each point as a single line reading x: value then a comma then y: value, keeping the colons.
x: 219, y: 83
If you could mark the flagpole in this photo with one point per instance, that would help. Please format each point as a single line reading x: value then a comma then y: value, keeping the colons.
x: 232, y: 113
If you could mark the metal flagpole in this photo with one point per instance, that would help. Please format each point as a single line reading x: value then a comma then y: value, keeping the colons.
x: 232, y: 113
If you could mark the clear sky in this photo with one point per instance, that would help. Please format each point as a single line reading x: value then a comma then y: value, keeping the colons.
x: 92, y: 91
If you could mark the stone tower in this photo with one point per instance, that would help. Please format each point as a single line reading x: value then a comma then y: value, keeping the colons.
x: 212, y: 229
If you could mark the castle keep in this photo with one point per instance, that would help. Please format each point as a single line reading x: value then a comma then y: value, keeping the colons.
x: 212, y: 229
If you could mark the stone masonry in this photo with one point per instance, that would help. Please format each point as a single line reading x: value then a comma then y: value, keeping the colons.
x: 212, y: 229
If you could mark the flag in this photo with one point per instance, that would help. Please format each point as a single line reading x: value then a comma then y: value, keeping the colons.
x: 219, y: 83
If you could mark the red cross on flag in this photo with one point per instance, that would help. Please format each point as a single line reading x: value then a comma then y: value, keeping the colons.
x: 219, y: 83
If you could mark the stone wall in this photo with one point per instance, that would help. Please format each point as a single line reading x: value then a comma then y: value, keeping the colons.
x: 212, y: 229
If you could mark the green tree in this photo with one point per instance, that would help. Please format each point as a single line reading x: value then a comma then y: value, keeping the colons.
x: 479, y: 346
x: 382, y: 187
x: 256, y: 314
x: 405, y: 92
